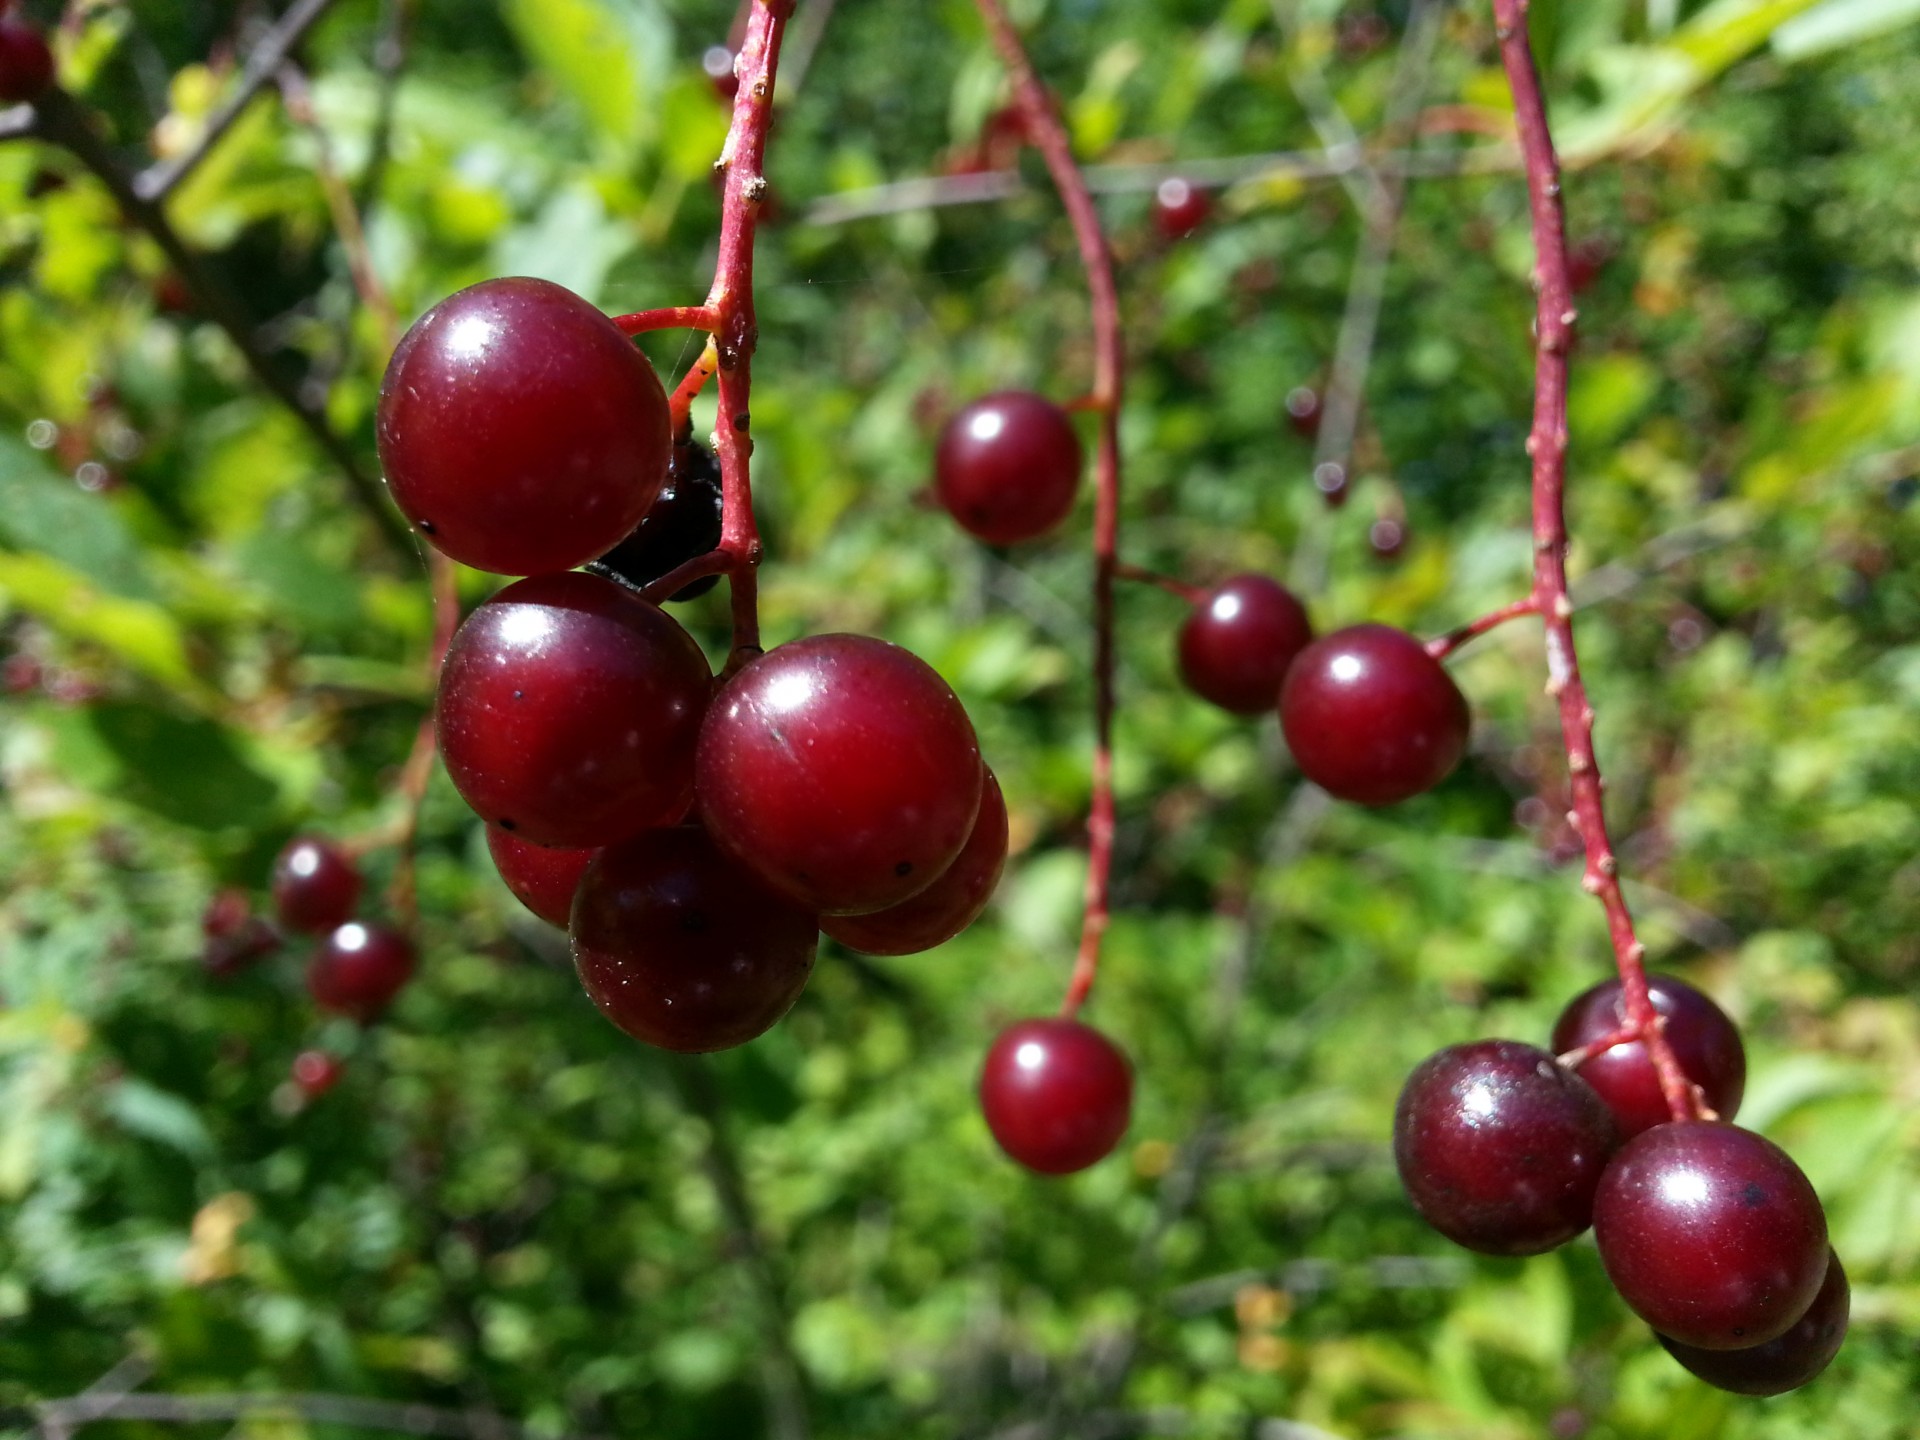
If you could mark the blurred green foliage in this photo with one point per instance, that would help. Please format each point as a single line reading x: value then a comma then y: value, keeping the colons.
x: 507, y: 1205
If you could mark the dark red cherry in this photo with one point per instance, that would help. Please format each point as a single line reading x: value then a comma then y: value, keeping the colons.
x: 315, y: 1073
x: 843, y: 770
x: 1500, y: 1147
x: 569, y: 709
x: 944, y: 908
x: 1387, y: 537
x: 26, y: 64
x: 717, y: 62
x: 1057, y: 1094
x: 1704, y: 1041
x: 1179, y: 208
x: 1371, y: 717
x: 358, y: 969
x: 1303, y: 411
x: 1711, y: 1234
x: 682, y: 947
x: 542, y: 879
x: 234, y: 937
x: 315, y: 886
x: 520, y: 430
x: 683, y: 523
x: 1237, y: 644
x: 1787, y: 1361
x: 1008, y: 466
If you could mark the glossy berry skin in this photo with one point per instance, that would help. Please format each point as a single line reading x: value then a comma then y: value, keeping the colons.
x: 944, y: 908
x: 358, y: 969
x: 542, y: 879
x: 683, y: 948
x: 521, y: 432
x: 1787, y: 1361
x: 1239, y: 641
x: 315, y: 886
x: 1371, y: 717
x: 315, y: 1073
x: 26, y: 64
x: 1057, y: 1094
x: 1704, y: 1041
x: 842, y: 770
x: 683, y: 523
x: 1711, y: 1234
x: 1008, y: 466
x: 1179, y: 208
x: 1500, y: 1147
x: 568, y: 712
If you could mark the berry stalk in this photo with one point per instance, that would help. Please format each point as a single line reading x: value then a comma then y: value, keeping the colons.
x: 1049, y: 136
x: 1547, y: 444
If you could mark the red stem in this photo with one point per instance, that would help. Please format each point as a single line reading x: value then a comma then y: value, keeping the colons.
x: 672, y: 317
x: 730, y: 307
x: 1049, y: 136
x: 680, y: 403
x: 1441, y: 648
x: 1553, y: 329
x: 1140, y: 575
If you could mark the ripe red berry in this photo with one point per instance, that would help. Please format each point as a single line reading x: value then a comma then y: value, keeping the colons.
x: 1179, y: 208
x: 235, y: 938
x: 841, y: 769
x: 26, y: 64
x: 1236, y: 646
x: 520, y: 430
x: 569, y: 709
x: 1704, y: 1041
x: 683, y: 523
x: 1787, y: 1361
x: 1371, y: 717
x: 1387, y: 537
x: 683, y: 948
x: 1057, y: 1094
x: 315, y: 1073
x: 1008, y: 466
x: 1711, y: 1234
x: 542, y: 879
x: 315, y: 886
x: 944, y: 908
x: 717, y: 61
x: 358, y: 969
x: 1500, y: 1147
x: 1303, y: 411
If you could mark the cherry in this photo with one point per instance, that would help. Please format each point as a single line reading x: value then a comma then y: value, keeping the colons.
x: 1787, y: 1361
x: 1303, y: 411
x: 26, y: 64
x: 358, y: 969
x: 1387, y: 537
x: 1500, y: 1147
x: 717, y: 62
x: 1711, y: 1234
x: 520, y: 430
x: 946, y: 907
x: 315, y: 1073
x: 683, y: 948
x: 1057, y: 1094
x: 1237, y: 644
x: 683, y: 523
x: 1704, y: 1041
x: 569, y: 709
x: 1371, y: 717
x: 541, y: 879
x: 1179, y: 208
x: 1008, y: 466
x: 841, y: 769
x: 315, y: 886
x: 235, y: 937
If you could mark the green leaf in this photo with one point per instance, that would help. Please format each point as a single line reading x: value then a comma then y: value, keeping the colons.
x: 41, y: 510
x: 141, y: 634
x: 189, y: 771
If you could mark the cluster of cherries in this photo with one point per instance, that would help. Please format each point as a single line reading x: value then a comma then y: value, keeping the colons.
x: 357, y: 967
x: 1710, y: 1233
x: 694, y: 839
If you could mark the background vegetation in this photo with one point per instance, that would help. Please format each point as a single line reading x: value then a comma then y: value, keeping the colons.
x: 508, y: 1208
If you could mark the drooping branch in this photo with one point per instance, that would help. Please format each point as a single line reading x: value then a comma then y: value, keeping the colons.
x: 1049, y: 135
x: 1553, y: 341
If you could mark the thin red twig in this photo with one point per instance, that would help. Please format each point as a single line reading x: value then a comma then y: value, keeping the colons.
x: 1446, y: 644
x: 670, y: 317
x: 1548, y: 445
x: 1140, y: 575
x: 680, y: 403
x: 1049, y: 136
